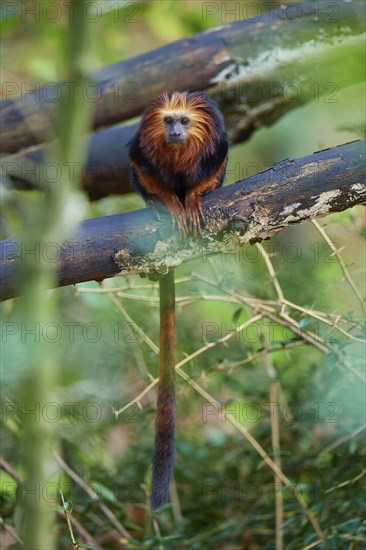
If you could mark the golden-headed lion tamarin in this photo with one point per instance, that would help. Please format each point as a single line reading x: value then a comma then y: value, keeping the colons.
x: 178, y: 154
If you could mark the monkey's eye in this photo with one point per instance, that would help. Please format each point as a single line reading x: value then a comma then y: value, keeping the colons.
x: 184, y: 121
x: 168, y: 120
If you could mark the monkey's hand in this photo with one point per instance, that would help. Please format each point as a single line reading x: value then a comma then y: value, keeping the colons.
x: 176, y: 209
x: 156, y: 195
x: 194, y: 212
x: 170, y: 202
x: 179, y: 217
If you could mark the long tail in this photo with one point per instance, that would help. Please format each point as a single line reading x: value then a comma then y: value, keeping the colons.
x: 164, y: 452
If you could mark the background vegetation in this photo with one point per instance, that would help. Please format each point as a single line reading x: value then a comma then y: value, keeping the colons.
x: 303, y: 404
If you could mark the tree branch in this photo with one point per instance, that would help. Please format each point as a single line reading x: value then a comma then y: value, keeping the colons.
x: 257, y: 69
x: 106, y: 170
x: 250, y: 210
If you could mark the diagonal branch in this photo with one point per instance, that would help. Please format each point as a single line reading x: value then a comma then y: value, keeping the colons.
x: 287, y: 44
x: 257, y: 69
x: 250, y: 210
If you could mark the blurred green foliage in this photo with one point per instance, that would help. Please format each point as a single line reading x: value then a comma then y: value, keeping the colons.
x: 225, y: 492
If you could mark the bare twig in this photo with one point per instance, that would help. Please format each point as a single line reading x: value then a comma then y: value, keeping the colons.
x: 77, y: 526
x: 93, y: 495
x: 273, y: 276
x: 274, y: 397
x: 338, y: 255
x: 259, y: 449
x: 342, y: 440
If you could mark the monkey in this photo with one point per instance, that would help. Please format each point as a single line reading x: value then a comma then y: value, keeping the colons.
x: 178, y: 154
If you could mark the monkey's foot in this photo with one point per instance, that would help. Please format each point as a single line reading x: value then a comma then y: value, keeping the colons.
x: 195, y: 216
x: 180, y: 220
x: 175, y: 208
x: 178, y: 215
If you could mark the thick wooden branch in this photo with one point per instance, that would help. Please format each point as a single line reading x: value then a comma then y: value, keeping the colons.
x: 106, y: 170
x: 258, y: 69
x: 256, y: 208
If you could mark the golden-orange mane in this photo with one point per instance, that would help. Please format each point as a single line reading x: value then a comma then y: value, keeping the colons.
x: 202, y: 131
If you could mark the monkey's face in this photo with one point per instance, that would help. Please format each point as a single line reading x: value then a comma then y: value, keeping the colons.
x: 176, y: 128
x: 182, y: 124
